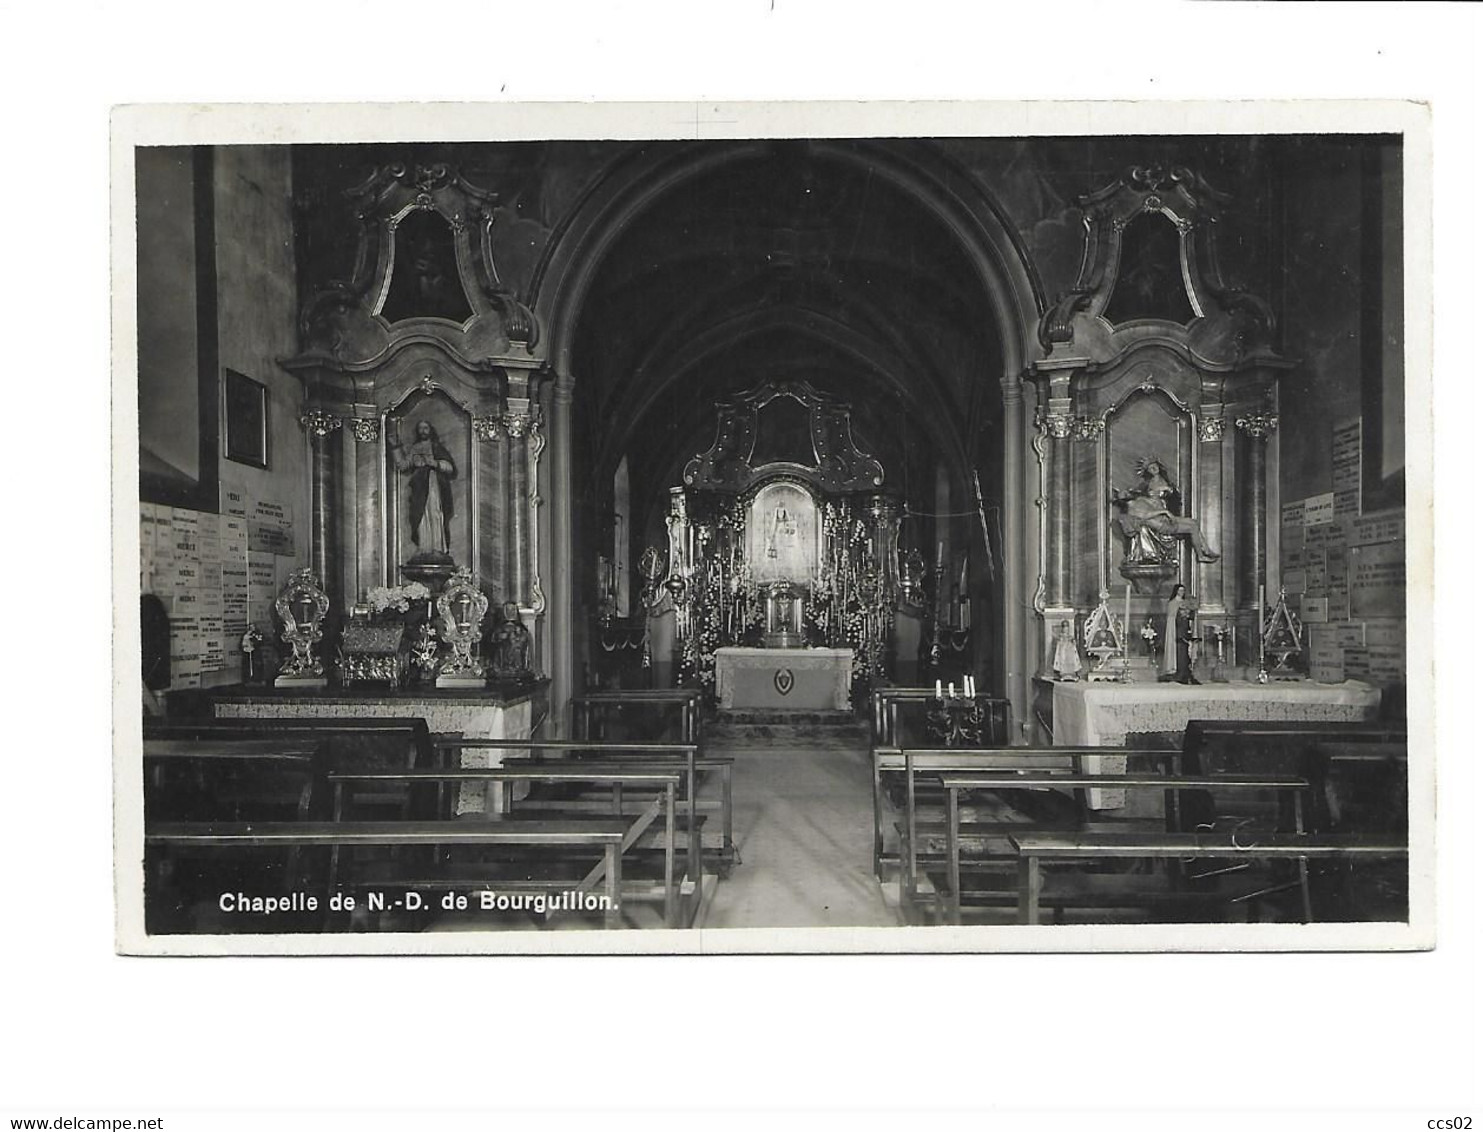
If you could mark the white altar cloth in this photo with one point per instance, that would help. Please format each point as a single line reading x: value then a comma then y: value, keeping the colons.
x: 472, y: 715
x: 1097, y: 715
x: 784, y: 679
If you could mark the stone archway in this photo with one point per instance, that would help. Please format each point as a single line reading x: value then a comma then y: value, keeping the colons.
x: 941, y: 196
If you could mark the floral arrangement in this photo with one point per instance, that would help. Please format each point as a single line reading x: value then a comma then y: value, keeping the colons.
x: 385, y: 599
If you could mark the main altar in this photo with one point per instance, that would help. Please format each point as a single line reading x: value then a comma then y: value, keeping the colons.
x: 783, y: 679
x: 781, y: 571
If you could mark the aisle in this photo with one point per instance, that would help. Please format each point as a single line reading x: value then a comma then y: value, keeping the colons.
x: 803, y: 828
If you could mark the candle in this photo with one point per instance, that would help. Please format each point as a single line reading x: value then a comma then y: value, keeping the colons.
x: 941, y: 554
x: 1127, y: 615
x: 938, y: 689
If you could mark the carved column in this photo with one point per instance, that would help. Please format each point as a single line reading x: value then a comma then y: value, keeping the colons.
x: 1210, y: 576
x: 1257, y: 426
x: 517, y: 425
x: 325, y: 454
x: 563, y: 630
x: 1017, y: 603
x: 1057, y: 424
x: 367, y: 461
x: 490, y: 465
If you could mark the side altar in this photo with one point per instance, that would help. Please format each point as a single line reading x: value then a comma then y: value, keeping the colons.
x: 491, y: 713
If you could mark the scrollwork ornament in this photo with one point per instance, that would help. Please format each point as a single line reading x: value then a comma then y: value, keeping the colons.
x: 1258, y: 425
x: 319, y: 423
x: 365, y: 429
x: 537, y: 435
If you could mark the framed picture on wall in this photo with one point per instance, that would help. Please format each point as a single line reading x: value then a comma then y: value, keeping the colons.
x: 246, y: 413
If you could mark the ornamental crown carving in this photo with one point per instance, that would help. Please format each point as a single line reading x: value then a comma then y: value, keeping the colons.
x: 424, y: 270
x: 825, y: 453
x: 1151, y: 260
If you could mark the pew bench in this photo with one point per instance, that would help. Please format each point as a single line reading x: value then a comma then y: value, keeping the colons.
x: 955, y: 783
x: 1033, y: 849
x: 662, y: 805
x: 227, y: 773
x: 640, y: 755
x: 591, y: 707
x: 605, y: 835
x: 913, y: 762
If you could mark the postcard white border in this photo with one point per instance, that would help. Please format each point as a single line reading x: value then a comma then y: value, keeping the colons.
x: 283, y: 123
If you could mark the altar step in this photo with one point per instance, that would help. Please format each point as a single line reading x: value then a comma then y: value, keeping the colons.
x: 833, y: 729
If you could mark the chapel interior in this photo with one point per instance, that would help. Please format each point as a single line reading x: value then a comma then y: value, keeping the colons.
x: 600, y: 535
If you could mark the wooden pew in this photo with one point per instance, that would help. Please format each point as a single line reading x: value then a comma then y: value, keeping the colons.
x: 666, y: 781
x: 931, y: 762
x: 687, y: 703
x: 227, y: 777
x: 1207, y: 739
x: 1035, y: 848
x: 294, y: 765
x: 604, y: 834
x: 928, y: 760
x: 350, y: 742
x: 956, y: 782
x: 685, y: 755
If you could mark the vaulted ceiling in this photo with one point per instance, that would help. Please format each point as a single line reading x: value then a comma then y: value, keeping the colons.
x: 786, y: 266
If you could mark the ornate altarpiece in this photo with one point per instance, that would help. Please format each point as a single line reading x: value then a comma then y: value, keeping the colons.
x: 424, y: 330
x: 1155, y: 405
x: 781, y: 536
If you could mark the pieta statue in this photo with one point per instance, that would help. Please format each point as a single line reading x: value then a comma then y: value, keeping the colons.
x: 1147, y: 516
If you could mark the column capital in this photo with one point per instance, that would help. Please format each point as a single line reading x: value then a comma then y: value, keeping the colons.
x: 319, y: 423
x: 1258, y: 424
x: 1056, y: 424
x: 1212, y: 429
x: 1088, y: 428
x: 365, y: 429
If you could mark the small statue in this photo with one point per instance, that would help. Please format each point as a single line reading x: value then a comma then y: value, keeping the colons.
x: 1066, y: 661
x: 1179, y: 640
x: 1146, y: 516
x: 512, y: 646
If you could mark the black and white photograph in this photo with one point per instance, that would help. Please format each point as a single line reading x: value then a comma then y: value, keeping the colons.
x: 937, y: 537
x: 772, y: 563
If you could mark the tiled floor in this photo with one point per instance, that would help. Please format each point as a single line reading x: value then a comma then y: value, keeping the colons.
x: 803, y: 827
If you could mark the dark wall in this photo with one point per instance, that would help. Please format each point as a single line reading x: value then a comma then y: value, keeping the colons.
x: 1338, y: 305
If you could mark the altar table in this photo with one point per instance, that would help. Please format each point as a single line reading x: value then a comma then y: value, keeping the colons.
x: 494, y: 713
x: 1105, y: 714
x: 784, y: 679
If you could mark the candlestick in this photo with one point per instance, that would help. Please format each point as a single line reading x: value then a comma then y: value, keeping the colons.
x: 1127, y: 617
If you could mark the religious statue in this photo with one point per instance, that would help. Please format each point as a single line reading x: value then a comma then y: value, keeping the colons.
x: 783, y: 533
x: 1179, y: 639
x: 512, y: 646
x: 1147, y: 515
x: 1066, y: 662
x: 430, y: 471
